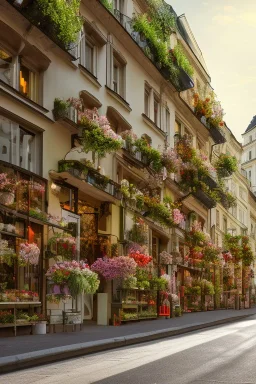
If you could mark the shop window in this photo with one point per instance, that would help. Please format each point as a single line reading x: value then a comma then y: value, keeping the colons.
x: 67, y: 198
x: 20, y: 146
x: 6, y: 73
x: 28, y: 83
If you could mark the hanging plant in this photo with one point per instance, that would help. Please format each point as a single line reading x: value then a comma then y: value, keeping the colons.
x: 29, y: 254
x: 226, y: 165
x: 120, y: 267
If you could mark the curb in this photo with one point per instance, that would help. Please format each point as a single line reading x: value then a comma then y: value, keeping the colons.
x: 31, y: 359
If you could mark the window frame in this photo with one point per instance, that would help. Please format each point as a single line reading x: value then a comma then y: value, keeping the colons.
x: 121, y: 75
x: 156, y: 117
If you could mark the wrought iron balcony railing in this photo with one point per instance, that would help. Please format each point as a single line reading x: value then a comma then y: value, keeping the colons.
x: 182, y: 82
x: 91, y: 176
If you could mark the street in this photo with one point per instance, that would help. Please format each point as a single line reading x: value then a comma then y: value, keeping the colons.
x: 224, y: 354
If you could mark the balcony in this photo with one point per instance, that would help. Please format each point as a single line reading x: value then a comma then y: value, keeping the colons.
x: 182, y: 82
x: 88, y: 180
x: 30, y: 11
x: 68, y: 119
x: 215, y: 133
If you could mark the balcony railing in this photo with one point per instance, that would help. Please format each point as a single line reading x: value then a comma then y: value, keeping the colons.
x: 215, y: 133
x: 30, y: 11
x: 182, y: 82
x: 91, y: 176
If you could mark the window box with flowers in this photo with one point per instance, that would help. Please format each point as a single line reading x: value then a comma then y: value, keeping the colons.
x: 226, y: 165
x: 7, y: 189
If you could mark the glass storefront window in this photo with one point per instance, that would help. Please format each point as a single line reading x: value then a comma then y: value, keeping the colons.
x: 22, y: 192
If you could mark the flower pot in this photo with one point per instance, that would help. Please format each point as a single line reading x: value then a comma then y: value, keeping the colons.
x: 39, y: 328
x: 65, y: 290
x: 56, y: 289
x: 6, y: 198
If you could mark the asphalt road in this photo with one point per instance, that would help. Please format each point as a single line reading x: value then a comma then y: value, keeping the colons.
x: 224, y: 354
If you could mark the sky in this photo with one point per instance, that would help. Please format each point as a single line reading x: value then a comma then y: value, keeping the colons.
x: 225, y: 31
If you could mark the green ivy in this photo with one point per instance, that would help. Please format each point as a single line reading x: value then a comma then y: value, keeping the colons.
x: 182, y: 59
x: 107, y: 4
x: 65, y: 17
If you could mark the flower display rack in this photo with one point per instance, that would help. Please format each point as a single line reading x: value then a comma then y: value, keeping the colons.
x: 135, y: 304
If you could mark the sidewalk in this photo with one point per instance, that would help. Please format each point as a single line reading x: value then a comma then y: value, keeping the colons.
x: 25, y: 351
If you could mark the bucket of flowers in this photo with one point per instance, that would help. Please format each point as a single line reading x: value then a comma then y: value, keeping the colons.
x: 7, y: 189
x: 73, y: 277
x: 29, y: 254
x: 65, y: 245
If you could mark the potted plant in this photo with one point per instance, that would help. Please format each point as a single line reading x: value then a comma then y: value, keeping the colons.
x: 60, y: 109
x: 226, y: 165
x: 7, y: 189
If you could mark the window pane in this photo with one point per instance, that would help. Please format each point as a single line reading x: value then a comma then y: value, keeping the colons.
x: 177, y: 127
x: 156, y: 110
x: 24, y: 81
x: 146, y: 102
x: 5, y: 67
x: 115, y: 78
x: 89, y: 57
x: 167, y: 120
x: 18, y: 146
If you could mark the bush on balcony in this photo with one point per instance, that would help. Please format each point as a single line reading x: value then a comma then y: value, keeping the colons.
x: 98, y: 136
x: 60, y: 108
x: 210, y: 108
x: 247, y: 253
x: 152, y: 156
x: 182, y: 59
x: 58, y: 17
x: 226, y: 165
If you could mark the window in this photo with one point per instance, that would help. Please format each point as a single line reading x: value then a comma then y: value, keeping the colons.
x: 118, y: 85
x: 166, y: 120
x: 225, y: 225
x: 250, y: 175
x: 250, y: 138
x: 156, y: 109
x: 234, y: 211
x: 218, y: 218
x: 5, y: 67
x: 250, y: 155
x: 147, y: 100
x: 88, y: 54
x: 19, y: 146
x: 28, y: 83
x: 177, y: 128
x: 119, y: 5
x: 242, y: 216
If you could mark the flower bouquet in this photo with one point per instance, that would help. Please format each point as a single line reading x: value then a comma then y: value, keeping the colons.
x: 29, y: 254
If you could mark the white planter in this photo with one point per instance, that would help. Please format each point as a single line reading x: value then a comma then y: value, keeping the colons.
x: 39, y: 328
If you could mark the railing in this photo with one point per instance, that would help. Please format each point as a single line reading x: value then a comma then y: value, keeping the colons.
x: 91, y: 176
x: 30, y: 11
x: 182, y: 83
x: 215, y: 132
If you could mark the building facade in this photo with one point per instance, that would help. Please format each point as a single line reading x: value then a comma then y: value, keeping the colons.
x: 70, y: 185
